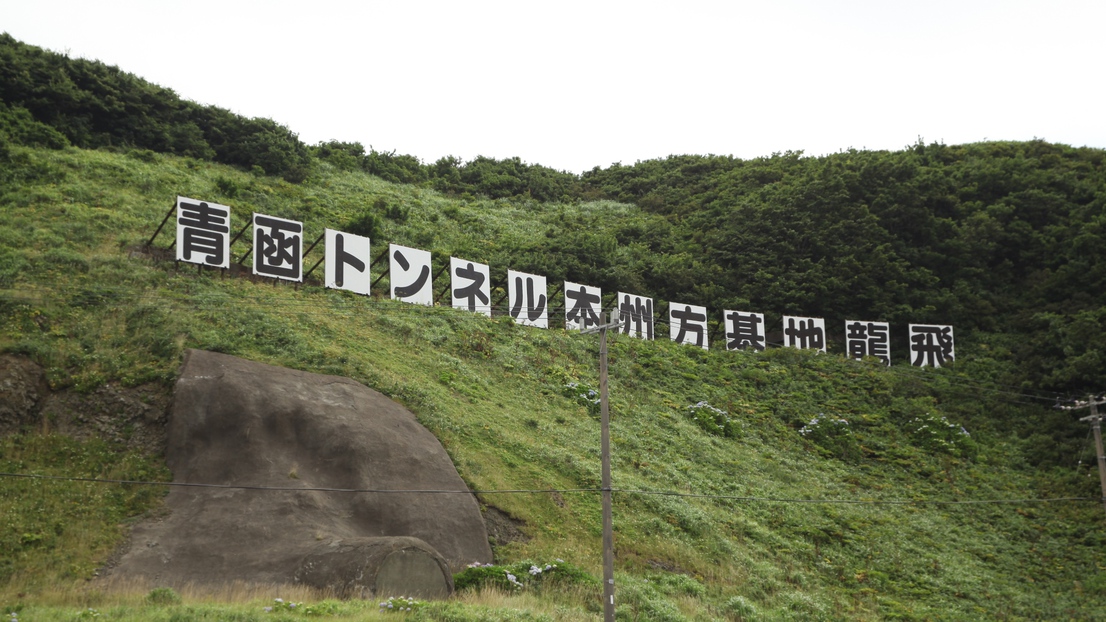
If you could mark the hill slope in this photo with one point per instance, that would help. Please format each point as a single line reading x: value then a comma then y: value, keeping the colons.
x: 82, y: 298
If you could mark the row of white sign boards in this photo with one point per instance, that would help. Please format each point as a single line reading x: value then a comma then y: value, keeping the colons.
x: 203, y: 237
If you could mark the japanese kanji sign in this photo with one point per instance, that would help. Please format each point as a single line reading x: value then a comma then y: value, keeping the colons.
x: 868, y: 339
x: 744, y: 330
x: 583, y: 306
x: 931, y: 345
x: 471, y: 286
x: 804, y: 332
x: 410, y: 275
x: 203, y: 237
x: 636, y: 315
x: 527, y: 297
x: 277, y: 247
x: 203, y: 233
x: 688, y: 324
x: 347, y: 262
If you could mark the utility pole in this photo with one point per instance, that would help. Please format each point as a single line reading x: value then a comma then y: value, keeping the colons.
x: 605, y: 441
x: 1096, y: 424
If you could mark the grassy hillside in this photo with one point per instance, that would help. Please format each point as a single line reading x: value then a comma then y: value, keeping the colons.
x: 78, y: 296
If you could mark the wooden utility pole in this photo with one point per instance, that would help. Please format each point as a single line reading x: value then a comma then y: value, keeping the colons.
x: 605, y: 441
x: 1096, y: 424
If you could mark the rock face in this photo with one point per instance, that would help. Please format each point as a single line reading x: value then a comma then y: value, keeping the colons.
x: 242, y: 423
x: 22, y: 389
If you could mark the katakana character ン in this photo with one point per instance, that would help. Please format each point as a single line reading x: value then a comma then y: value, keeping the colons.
x: 744, y: 330
x: 202, y: 233
x: 347, y: 262
x: 804, y: 332
x: 411, y: 266
x: 868, y: 339
x: 583, y: 305
x: 931, y: 345
x: 687, y: 324
x: 527, y: 298
x: 636, y: 315
x: 470, y: 284
x: 277, y: 247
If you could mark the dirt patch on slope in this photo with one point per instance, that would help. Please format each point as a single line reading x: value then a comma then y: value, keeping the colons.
x: 130, y: 417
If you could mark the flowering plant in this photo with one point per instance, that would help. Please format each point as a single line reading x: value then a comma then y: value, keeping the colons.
x: 583, y: 395
x: 520, y: 575
x: 935, y: 433
x: 402, y: 604
x: 324, y: 608
x: 712, y: 420
x: 833, y: 434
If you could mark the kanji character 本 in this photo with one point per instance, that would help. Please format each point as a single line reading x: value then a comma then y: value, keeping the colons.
x: 278, y: 246
x: 527, y: 297
x: 931, y: 345
x: 868, y: 339
x: 688, y: 324
x: 744, y: 330
x: 470, y: 283
x: 804, y: 332
x: 583, y: 305
x: 203, y: 233
x: 636, y: 315
x: 410, y: 268
x: 347, y: 262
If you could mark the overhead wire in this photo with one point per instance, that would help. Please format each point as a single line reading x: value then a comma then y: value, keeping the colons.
x: 667, y: 493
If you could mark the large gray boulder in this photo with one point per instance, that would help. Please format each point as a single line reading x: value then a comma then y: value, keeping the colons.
x: 247, y: 424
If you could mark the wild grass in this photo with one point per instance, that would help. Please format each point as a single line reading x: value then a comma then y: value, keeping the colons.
x: 78, y: 297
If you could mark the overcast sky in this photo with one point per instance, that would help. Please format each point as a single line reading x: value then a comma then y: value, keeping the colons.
x: 574, y: 85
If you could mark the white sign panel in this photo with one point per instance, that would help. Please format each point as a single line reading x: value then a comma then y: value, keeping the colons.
x: 868, y: 339
x: 470, y: 283
x: 347, y: 262
x: 931, y: 345
x: 527, y: 297
x: 203, y: 233
x: 583, y: 306
x: 636, y: 315
x: 804, y: 332
x: 687, y: 324
x: 277, y: 247
x: 410, y: 275
x: 744, y: 330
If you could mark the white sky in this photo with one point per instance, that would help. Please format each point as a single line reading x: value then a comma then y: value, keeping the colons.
x: 573, y: 85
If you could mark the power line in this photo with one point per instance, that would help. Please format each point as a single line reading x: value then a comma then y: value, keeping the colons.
x: 627, y: 491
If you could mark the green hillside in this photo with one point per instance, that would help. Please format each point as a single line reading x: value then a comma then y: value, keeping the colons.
x: 805, y: 487
x: 81, y: 297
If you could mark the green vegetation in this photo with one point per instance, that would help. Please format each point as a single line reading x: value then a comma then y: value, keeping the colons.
x: 63, y: 530
x: 714, y: 451
x: 90, y: 104
x: 78, y: 295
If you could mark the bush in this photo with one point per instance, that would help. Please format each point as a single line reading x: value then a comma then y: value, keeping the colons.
x: 583, y: 395
x: 711, y: 420
x: 163, y: 596
x: 833, y: 435
x: 938, y: 434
